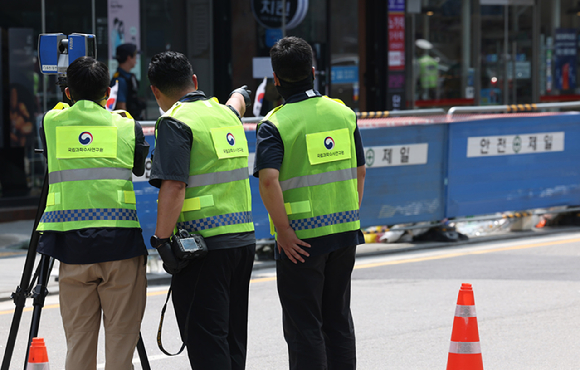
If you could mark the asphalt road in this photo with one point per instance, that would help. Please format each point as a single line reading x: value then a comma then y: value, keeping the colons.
x: 527, y: 297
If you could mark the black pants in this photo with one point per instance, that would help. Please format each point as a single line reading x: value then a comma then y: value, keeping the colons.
x: 315, y: 297
x: 217, y: 330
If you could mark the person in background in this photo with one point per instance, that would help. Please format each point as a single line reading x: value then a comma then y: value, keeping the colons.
x: 128, y: 89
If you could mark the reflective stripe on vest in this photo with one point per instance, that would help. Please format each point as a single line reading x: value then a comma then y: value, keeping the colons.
x: 97, y: 214
x: 469, y: 348
x: 215, y: 178
x: 325, y: 220
x: 319, y: 179
x: 216, y: 221
x: 103, y: 173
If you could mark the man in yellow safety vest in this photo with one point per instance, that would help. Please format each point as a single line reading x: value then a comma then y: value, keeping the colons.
x: 90, y: 222
x: 311, y: 166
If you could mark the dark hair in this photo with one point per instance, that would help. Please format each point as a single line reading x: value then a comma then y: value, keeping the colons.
x: 291, y: 59
x: 125, y: 51
x: 170, y: 72
x: 87, y: 79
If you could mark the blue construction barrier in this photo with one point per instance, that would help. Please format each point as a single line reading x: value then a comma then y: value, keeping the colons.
x: 513, y: 164
x: 405, y: 174
x: 430, y: 171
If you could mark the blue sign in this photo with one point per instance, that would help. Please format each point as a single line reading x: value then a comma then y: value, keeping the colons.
x: 344, y: 75
x: 397, y: 6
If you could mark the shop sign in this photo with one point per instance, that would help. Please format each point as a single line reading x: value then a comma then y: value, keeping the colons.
x: 396, y: 41
x: 344, y: 74
x: 397, y: 6
x: 268, y: 13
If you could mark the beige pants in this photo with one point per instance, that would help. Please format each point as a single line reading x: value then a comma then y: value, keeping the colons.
x: 118, y: 290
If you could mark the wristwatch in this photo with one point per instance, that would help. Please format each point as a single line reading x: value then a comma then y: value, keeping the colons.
x: 156, y: 242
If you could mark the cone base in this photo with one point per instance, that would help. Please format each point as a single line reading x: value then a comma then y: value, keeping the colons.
x: 464, y: 362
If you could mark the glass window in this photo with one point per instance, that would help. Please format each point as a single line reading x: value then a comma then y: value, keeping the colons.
x: 442, y: 70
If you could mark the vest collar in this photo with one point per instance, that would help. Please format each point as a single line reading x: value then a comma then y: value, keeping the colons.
x: 193, y: 97
x: 311, y: 93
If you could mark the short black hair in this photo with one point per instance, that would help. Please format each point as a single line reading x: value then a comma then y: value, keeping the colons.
x: 170, y: 72
x: 291, y: 59
x: 124, y: 51
x: 87, y: 79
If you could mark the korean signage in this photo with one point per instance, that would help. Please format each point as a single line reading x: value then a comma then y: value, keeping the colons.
x: 396, y: 88
x: 344, y: 74
x: 396, y: 155
x: 124, y: 27
x: 565, y: 53
x: 269, y: 13
x: 397, y: 6
x: 396, y: 41
x: 542, y: 142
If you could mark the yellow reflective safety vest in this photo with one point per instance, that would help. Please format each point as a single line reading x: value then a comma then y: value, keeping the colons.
x: 428, y: 72
x: 90, y: 155
x: 318, y: 176
x: 218, y: 198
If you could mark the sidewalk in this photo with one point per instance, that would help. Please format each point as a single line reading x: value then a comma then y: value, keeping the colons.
x: 15, y: 236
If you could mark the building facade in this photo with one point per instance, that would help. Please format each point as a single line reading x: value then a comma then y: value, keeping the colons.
x: 374, y: 55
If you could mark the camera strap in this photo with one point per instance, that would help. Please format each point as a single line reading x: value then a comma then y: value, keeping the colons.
x: 186, y: 326
x: 159, y: 344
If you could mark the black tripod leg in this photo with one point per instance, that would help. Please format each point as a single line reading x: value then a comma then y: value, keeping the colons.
x: 19, y: 296
x: 39, y: 294
x: 143, y: 354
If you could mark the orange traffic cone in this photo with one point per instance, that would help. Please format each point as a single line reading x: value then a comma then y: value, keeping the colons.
x: 37, y: 356
x: 465, y: 350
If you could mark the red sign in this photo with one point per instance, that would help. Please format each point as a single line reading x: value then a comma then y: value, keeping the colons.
x: 396, y: 41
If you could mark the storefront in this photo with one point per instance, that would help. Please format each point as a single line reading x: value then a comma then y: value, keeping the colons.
x: 372, y: 54
x: 487, y: 52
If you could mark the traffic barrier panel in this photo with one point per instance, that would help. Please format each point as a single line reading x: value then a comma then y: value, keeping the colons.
x: 405, y: 173
x: 465, y: 349
x: 511, y: 164
x: 37, y: 356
